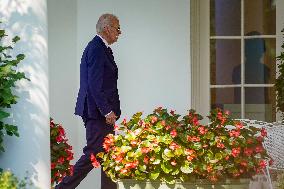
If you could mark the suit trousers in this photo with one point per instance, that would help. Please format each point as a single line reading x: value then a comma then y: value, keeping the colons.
x: 96, y: 131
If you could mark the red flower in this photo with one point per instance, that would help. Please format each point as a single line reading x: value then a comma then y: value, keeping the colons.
x: 248, y: 151
x: 124, y: 122
x: 263, y: 132
x: 195, y: 120
x: 168, y: 127
x: 259, y: 139
x: 146, y: 160
x: 259, y: 149
x: 236, y: 151
x: 94, y: 161
x: 244, y: 163
x: 172, y: 112
x: 202, y: 130
x: 239, y: 125
x: 189, y: 152
x: 209, y: 168
x: 145, y: 150
x: 118, y: 158
x: 124, y: 171
x: 116, y: 127
x: 59, y: 139
x: 262, y: 163
x: 190, y: 158
x: 53, y: 165
x: 220, y: 145
x: 131, y: 165
x: 234, y: 133
x: 174, y: 146
x: 193, y: 139
x: 173, y: 133
x: 108, y: 142
x: 61, y: 160
x: 154, y: 119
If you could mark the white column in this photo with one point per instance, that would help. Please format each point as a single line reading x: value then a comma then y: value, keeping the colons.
x: 31, y: 151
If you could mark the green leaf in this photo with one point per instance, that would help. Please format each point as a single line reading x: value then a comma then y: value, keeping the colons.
x: 166, y: 167
x: 2, y: 33
x: 20, y: 57
x: 197, y: 146
x: 168, y: 153
x: 186, y: 168
x: 156, y: 161
x: 15, y: 39
x: 3, y: 114
x: 178, y: 152
x: 142, y: 168
x: 154, y: 175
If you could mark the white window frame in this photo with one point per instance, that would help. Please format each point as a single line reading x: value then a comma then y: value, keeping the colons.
x: 200, y: 53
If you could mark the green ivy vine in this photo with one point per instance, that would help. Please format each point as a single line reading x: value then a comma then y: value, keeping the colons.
x: 8, y: 77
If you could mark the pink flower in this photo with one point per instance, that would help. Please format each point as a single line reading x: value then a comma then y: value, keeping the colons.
x: 173, y: 163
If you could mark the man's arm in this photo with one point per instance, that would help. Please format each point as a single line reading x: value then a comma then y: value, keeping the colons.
x: 96, y: 62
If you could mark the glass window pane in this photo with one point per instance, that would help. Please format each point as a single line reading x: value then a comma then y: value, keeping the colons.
x: 225, y: 99
x: 260, y: 103
x: 260, y: 61
x: 260, y: 15
x: 225, y: 17
x: 225, y: 60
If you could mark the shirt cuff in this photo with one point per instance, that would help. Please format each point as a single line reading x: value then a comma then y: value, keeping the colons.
x: 108, y: 113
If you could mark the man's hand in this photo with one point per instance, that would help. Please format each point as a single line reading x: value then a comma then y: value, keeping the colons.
x: 111, y: 118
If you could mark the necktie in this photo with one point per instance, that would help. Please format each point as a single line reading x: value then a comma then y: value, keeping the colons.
x: 109, y: 49
x: 111, y: 53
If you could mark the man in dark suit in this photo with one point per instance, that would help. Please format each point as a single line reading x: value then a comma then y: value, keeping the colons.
x: 98, y: 100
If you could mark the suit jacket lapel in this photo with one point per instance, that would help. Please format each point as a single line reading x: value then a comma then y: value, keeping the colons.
x: 108, y: 53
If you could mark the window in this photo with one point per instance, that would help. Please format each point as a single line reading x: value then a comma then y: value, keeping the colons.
x: 236, y: 46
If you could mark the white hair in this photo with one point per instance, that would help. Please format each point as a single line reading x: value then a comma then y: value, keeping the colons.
x: 105, y: 20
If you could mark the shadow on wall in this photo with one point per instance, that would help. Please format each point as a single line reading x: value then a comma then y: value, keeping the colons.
x: 29, y: 152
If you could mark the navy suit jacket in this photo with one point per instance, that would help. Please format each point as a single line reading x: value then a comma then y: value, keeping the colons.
x: 98, y: 93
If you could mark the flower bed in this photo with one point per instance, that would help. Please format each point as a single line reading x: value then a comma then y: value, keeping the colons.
x: 165, y: 147
x: 61, y: 153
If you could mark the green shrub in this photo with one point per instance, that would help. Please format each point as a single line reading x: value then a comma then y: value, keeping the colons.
x: 9, y: 181
x: 8, y: 77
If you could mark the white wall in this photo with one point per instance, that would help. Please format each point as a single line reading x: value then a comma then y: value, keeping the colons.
x: 30, y: 152
x: 152, y: 54
x: 63, y: 81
